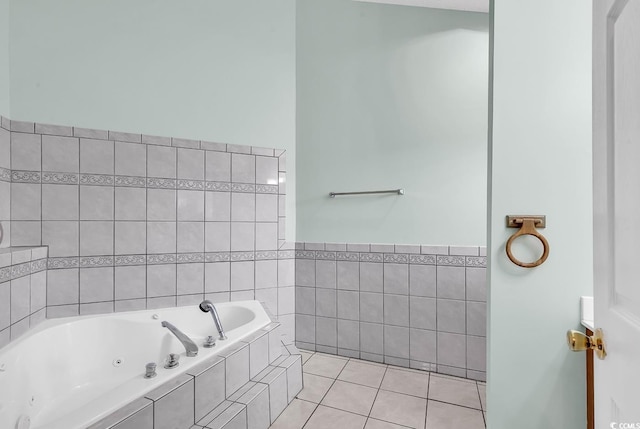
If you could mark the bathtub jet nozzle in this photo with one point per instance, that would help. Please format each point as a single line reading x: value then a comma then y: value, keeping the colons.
x: 208, y: 307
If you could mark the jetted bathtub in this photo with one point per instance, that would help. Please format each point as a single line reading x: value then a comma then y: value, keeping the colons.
x: 69, y: 373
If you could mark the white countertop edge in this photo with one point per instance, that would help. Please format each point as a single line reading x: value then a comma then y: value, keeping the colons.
x: 586, y: 312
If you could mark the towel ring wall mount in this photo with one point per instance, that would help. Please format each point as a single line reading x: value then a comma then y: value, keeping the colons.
x: 527, y: 225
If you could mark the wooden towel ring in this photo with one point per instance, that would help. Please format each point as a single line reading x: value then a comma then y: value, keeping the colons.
x: 527, y: 226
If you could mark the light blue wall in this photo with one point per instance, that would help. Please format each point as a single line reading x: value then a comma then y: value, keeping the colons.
x: 4, y: 58
x: 214, y: 70
x: 391, y: 96
x: 541, y: 164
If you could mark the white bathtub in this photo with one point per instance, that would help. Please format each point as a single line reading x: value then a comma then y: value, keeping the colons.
x: 68, y: 373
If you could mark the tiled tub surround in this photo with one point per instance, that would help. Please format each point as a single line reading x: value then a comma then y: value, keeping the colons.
x: 23, y: 294
x: 135, y: 221
x: 226, y: 392
x: 422, y: 307
x: 87, y: 386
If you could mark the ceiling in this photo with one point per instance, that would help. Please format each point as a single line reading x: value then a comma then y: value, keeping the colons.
x: 468, y: 5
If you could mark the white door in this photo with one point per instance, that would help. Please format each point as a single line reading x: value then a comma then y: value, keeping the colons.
x: 616, y: 153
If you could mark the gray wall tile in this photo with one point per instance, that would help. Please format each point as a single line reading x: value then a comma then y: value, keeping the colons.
x: 326, y: 331
x: 326, y: 302
x: 161, y: 280
x: 422, y: 280
x: 96, y: 238
x: 348, y: 275
x: 130, y: 159
x: 161, y: 162
x: 26, y: 152
x: 326, y: 274
x: 217, y: 206
x: 422, y: 313
x: 371, y: 277
x: 371, y: 307
x: 190, y: 164
x: 348, y: 305
x: 130, y: 204
x: 349, y: 334
x: 396, y: 310
x: 305, y: 300
x: 218, y: 166
x: 96, y: 156
x: 451, y: 282
x: 243, y: 168
x: 451, y: 316
x: 60, y: 154
x: 96, y: 202
x: 60, y: 202
x: 396, y: 278
x: 96, y: 284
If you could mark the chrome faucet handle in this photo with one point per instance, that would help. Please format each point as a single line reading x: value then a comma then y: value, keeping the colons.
x: 209, y: 342
x: 173, y: 360
x: 150, y: 370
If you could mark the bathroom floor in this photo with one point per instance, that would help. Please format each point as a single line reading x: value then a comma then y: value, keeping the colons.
x: 343, y: 393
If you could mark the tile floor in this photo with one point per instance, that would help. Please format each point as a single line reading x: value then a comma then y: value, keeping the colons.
x: 343, y: 393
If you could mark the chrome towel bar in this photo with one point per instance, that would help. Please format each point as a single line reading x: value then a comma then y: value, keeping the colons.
x: 389, y: 191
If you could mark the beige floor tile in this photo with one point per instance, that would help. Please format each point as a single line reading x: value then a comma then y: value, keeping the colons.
x: 400, y: 409
x: 363, y: 373
x: 447, y: 416
x: 408, y: 382
x: 459, y: 392
x: 305, y: 355
x: 379, y: 424
x: 330, y: 418
x: 315, y: 387
x: 482, y: 388
x: 350, y: 397
x: 295, y: 415
x: 327, y: 366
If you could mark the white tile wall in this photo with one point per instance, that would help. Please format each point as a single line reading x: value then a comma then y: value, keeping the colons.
x: 136, y: 221
x: 394, y: 303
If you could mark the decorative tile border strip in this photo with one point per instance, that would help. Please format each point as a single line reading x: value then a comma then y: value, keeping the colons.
x: 63, y: 263
x: 125, y: 260
x: 457, y: 261
x: 422, y: 259
x: 286, y: 254
x: 391, y: 258
x: 96, y: 261
x: 476, y: 261
x: 38, y: 265
x: 243, y: 187
x: 97, y: 179
x: 5, y: 175
x: 242, y: 256
x: 59, y: 178
x: 5, y: 274
x: 218, y: 186
x: 305, y: 254
x: 160, y: 183
x: 17, y: 271
x: 328, y: 256
x: 186, y: 258
x: 21, y: 176
x: 347, y: 256
x: 266, y: 189
x: 396, y: 258
x: 167, y: 258
x: 217, y: 257
x: 266, y: 255
x: 371, y: 257
x: 53, y: 177
x: 191, y: 185
x: 130, y: 181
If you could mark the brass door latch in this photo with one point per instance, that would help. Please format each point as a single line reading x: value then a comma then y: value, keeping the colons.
x: 577, y: 342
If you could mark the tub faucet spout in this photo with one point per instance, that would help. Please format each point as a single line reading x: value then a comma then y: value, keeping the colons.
x: 189, y: 345
x: 207, y: 306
